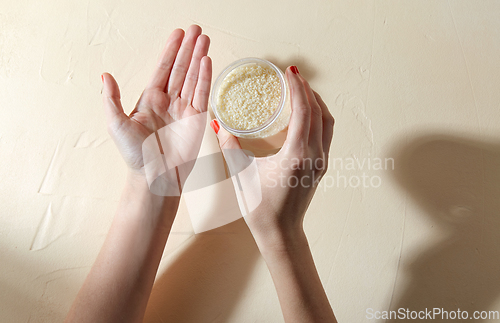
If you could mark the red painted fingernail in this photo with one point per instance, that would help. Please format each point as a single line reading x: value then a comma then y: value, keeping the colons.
x: 215, y: 125
x: 294, y: 69
x: 102, y: 78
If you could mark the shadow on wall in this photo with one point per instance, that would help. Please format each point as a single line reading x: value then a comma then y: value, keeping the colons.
x: 206, y: 281
x: 457, y: 182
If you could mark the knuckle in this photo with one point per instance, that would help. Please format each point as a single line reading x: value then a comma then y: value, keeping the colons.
x: 298, y: 154
x: 179, y: 67
x: 164, y: 66
x: 301, y: 109
x: 192, y: 77
x: 320, y: 165
x: 202, y: 92
x: 224, y: 144
x: 316, y: 111
x: 304, y: 82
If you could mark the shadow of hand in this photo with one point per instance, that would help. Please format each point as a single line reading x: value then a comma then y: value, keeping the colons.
x: 457, y: 183
x: 207, y: 279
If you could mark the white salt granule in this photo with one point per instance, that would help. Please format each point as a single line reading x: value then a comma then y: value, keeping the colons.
x: 248, y: 96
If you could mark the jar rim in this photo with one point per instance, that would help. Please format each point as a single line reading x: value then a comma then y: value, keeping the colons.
x: 223, y: 75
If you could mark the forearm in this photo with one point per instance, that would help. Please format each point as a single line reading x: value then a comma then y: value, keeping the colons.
x: 300, y: 292
x: 119, y: 284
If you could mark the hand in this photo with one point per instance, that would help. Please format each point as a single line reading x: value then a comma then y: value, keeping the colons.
x: 288, y: 181
x: 118, y: 286
x: 179, y: 88
x: 290, y: 178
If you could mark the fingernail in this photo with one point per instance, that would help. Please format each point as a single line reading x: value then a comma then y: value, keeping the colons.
x: 215, y: 125
x: 102, y: 78
x: 294, y: 69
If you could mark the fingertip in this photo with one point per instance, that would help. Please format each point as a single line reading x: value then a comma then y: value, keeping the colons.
x: 111, y: 88
x: 194, y: 27
x: 206, y: 70
x: 207, y: 62
x: 194, y: 30
x: 294, y: 71
x: 177, y: 34
x: 297, y: 87
x: 293, y: 77
x: 104, y: 77
x: 204, y: 40
x: 207, y: 37
x: 214, y: 124
x: 107, y: 78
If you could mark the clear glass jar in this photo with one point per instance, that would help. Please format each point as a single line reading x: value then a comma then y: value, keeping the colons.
x: 270, y: 134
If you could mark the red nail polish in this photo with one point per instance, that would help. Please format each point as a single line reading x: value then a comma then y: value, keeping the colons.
x: 215, y: 125
x: 294, y: 69
x: 102, y: 78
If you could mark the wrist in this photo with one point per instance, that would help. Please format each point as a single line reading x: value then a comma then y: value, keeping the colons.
x: 273, y: 238
x: 160, y: 210
x: 137, y: 189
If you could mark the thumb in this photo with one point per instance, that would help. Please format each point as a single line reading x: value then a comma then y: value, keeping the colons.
x: 226, y: 140
x: 111, y: 99
x: 236, y: 158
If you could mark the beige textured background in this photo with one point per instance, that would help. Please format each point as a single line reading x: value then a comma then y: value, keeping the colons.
x: 417, y: 81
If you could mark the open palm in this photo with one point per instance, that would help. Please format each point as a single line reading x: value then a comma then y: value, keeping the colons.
x: 179, y: 88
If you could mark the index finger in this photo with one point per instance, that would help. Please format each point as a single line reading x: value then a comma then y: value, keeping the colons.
x: 300, y: 119
x: 161, y: 74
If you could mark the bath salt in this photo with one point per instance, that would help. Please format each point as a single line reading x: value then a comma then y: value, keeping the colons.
x: 248, y: 96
